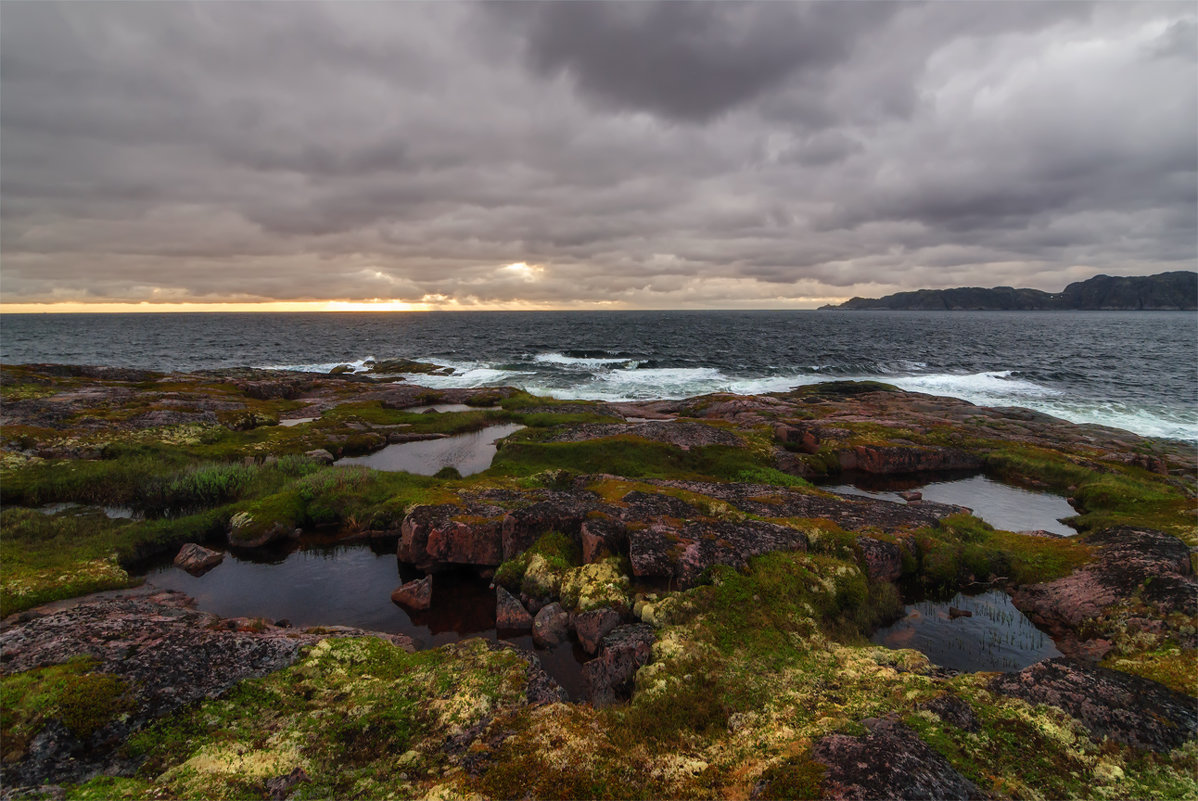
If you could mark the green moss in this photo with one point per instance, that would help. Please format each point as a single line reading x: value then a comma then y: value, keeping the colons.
x: 962, y: 548
x: 82, y: 700
x: 793, y: 778
x: 357, y: 715
x: 1171, y: 665
x: 105, y: 788
x: 553, y: 554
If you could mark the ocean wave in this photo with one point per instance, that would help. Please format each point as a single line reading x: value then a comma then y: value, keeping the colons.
x: 614, y: 378
x: 318, y: 367
x: 573, y: 359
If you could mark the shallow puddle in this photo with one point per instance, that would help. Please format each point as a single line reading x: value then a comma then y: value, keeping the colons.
x: 997, y: 637
x: 112, y: 512
x: 469, y: 453
x: 1001, y: 505
x: 295, y: 421
x: 320, y: 585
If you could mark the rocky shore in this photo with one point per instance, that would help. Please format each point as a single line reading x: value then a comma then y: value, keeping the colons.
x: 722, y: 598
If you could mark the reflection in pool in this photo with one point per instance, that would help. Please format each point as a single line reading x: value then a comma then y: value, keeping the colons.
x: 997, y: 637
x: 320, y: 585
x: 440, y: 407
x: 469, y: 453
x: 1001, y: 505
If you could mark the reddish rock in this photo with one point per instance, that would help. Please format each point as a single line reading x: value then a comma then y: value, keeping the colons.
x: 891, y: 761
x: 602, y: 537
x: 622, y: 652
x: 683, y: 551
x: 883, y: 560
x: 557, y: 511
x: 591, y: 627
x: 911, y: 495
x: 510, y: 614
x: 1130, y: 709
x: 551, y: 626
x: 1129, y: 561
x: 451, y: 534
x: 196, y: 559
x: 415, y: 594
x: 887, y: 459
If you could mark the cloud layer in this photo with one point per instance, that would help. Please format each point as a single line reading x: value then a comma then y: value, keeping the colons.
x: 652, y: 155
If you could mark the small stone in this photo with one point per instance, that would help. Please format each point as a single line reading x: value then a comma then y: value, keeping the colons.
x: 415, y: 594
x: 911, y: 495
x: 320, y: 455
x: 280, y: 787
x: 196, y: 559
x: 510, y: 614
x: 591, y: 627
x: 551, y: 626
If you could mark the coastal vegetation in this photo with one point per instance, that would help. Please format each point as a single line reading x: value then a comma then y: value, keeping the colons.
x: 742, y: 594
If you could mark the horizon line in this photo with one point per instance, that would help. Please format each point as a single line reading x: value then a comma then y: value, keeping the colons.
x: 334, y: 307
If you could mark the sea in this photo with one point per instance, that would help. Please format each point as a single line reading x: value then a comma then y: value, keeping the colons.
x: 1132, y: 370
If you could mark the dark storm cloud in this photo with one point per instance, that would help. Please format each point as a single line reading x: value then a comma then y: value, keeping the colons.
x: 691, y: 60
x: 639, y: 153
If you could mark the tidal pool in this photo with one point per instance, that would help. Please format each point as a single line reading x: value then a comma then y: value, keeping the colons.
x: 469, y: 453
x: 111, y: 512
x: 295, y: 421
x: 997, y: 637
x: 316, y: 584
x: 440, y: 407
x: 1001, y: 505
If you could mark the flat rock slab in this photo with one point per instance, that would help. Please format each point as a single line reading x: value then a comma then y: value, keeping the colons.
x: 680, y: 433
x: 1130, y: 709
x: 167, y: 653
x: 889, y: 762
x: 852, y: 514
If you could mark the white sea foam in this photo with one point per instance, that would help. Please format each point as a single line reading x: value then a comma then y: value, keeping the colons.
x: 562, y: 360
x: 318, y: 367
x: 616, y: 379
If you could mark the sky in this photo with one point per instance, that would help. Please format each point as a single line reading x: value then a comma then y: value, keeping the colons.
x: 587, y: 155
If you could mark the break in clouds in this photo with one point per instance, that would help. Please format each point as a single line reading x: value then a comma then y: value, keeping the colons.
x: 641, y: 154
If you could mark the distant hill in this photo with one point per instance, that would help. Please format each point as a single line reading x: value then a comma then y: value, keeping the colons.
x: 1175, y: 291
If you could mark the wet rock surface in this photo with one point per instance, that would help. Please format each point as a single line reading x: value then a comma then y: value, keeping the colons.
x: 196, y: 559
x: 416, y: 594
x: 550, y: 626
x: 1129, y: 709
x: 1129, y: 562
x: 591, y: 627
x: 167, y: 653
x: 888, y: 762
x: 510, y: 614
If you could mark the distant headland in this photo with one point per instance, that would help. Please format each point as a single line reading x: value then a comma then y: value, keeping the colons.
x: 1173, y: 291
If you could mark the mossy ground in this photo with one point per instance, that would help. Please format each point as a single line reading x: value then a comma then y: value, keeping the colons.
x: 749, y: 669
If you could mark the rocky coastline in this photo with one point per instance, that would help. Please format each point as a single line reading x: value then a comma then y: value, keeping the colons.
x: 723, y: 597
